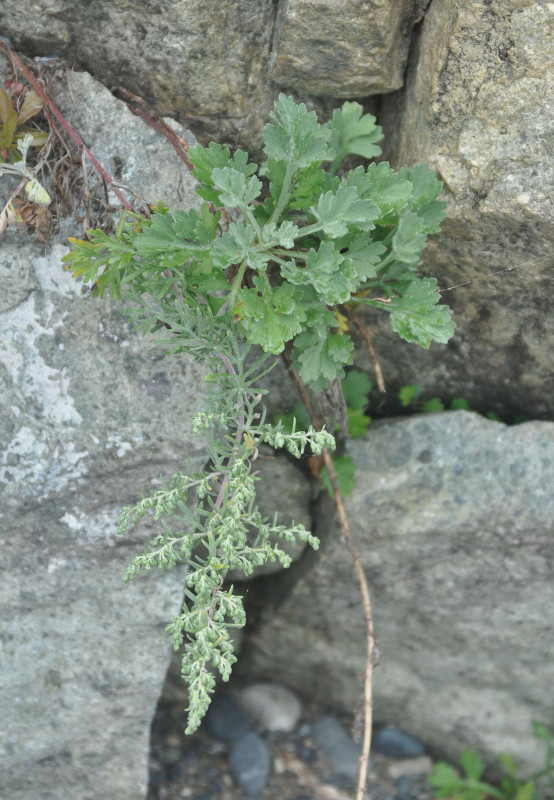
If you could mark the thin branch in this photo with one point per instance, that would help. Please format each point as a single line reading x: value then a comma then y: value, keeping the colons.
x: 367, y: 339
x: 370, y: 643
x: 138, y: 106
x: 15, y: 59
x: 348, y: 539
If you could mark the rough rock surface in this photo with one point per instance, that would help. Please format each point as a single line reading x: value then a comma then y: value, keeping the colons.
x: 90, y: 416
x: 350, y: 49
x: 217, y: 65
x: 201, y: 60
x: 452, y: 515
x: 477, y: 106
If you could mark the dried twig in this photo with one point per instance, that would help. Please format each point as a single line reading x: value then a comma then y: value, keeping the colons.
x: 37, y: 86
x: 367, y: 339
x: 348, y: 539
x: 137, y: 105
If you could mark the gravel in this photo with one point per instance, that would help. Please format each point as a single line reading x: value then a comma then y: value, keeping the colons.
x: 261, y: 764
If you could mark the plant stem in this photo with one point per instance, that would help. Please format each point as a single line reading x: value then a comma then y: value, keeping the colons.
x: 284, y: 195
x: 348, y: 539
x: 373, y: 355
x: 253, y: 221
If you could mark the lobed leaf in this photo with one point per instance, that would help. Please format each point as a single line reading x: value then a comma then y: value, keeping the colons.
x: 319, y: 360
x: 206, y: 159
x: 356, y: 388
x: 270, y: 316
x: 296, y: 137
x: 384, y: 187
x: 416, y: 317
x: 345, y: 470
x: 353, y: 133
x: 335, y: 210
x: 235, y: 190
x: 232, y: 247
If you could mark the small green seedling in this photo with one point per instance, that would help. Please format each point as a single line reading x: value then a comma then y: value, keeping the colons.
x: 449, y: 783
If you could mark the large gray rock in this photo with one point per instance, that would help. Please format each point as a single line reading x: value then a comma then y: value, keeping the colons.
x: 90, y: 416
x: 203, y: 60
x: 453, y: 518
x: 477, y: 106
x: 349, y: 50
x: 218, y: 65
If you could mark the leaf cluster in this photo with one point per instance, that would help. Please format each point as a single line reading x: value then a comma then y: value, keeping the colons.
x: 470, y: 785
x: 14, y: 112
x: 270, y: 258
x: 305, y: 241
x: 210, y: 522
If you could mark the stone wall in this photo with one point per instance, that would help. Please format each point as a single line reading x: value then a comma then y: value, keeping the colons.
x: 90, y: 416
x: 452, y: 515
x: 463, y: 86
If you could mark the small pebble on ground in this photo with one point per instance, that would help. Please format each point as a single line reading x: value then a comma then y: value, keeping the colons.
x: 258, y: 743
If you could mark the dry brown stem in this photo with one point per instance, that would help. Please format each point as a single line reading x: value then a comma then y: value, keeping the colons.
x: 372, y: 352
x: 348, y: 539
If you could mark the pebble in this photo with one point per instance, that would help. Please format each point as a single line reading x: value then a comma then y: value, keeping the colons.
x: 226, y: 720
x: 403, y: 787
x: 274, y: 707
x: 342, y: 752
x: 410, y: 767
x: 249, y: 763
x: 396, y: 744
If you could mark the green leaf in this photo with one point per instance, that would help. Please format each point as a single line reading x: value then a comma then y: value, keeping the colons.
x: 409, y: 239
x: 234, y: 188
x: 432, y: 406
x: 6, y: 107
x: 168, y: 233
x: 526, y: 792
x: 472, y: 763
x: 423, y: 200
x: 364, y: 254
x: 426, y: 186
x: 257, y: 261
x: 300, y: 414
x: 459, y: 404
x: 445, y: 779
x: 8, y: 129
x: 320, y: 360
x: 356, y: 388
x: 509, y: 763
x: 416, y: 317
x: 358, y: 422
x: 432, y: 215
x: 334, y: 211
x: 332, y: 276
x: 383, y: 186
x: 305, y: 187
x: 284, y: 235
x: 296, y: 137
x: 318, y: 317
x: 232, y: 247
x: 206, y: 159
x: 408, y: 394
x: 270, y: 316
x: 345, y: 469
x: 541, y: 732
x: 353, y: 133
